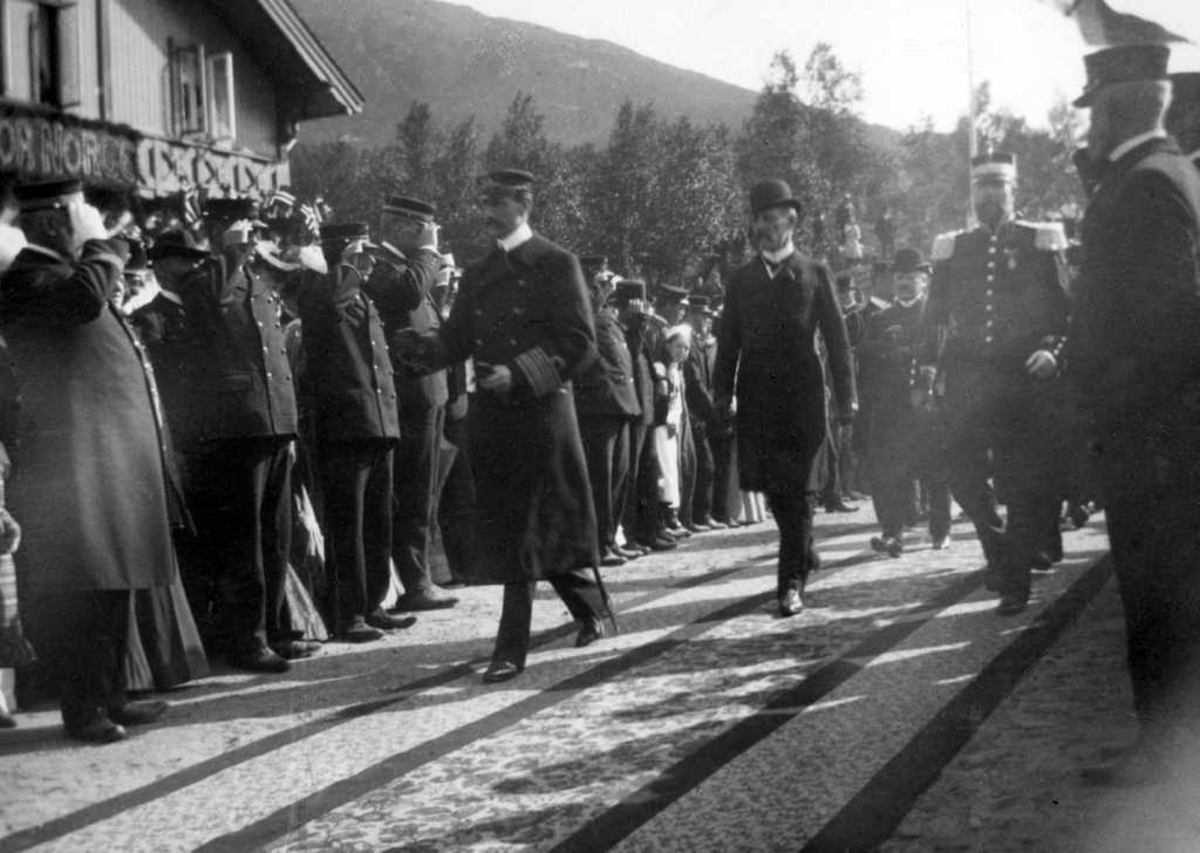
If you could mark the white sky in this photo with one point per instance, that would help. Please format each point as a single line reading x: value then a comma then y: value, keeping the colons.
x: 912, y: 54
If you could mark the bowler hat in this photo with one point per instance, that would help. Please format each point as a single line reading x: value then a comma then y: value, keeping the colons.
x: 413, y: 208
x: 1124, y: 63
x: 908, y: 260
x: 773, y: 193
x: 179, y: 244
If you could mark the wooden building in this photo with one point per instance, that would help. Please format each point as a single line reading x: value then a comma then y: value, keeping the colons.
x: 154, y: 96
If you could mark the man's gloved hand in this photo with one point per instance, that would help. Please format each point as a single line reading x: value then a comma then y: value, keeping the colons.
x: 86, y: 222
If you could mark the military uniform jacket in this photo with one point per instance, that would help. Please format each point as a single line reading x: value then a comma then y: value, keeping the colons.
x: 1135, y: 343
x: 526, y: 309
x: 349, y: 372
x: 606, y: 389
x: 401, y: 291
x: 89, y: 485
x: 997, y: 297
x: 244, y: 381
x: 767, y: 346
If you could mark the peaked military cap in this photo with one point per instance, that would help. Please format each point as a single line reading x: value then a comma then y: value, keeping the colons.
x: 338, y: 235
x: 994, y: 166
x: 48, y: 195
x: 1122, y: 64
x: 671, y: 293
x: 179, y: 244
x: 414, y: 208
x: 515, y: 179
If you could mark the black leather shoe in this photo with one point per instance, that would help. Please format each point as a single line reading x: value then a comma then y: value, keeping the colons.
x: 697, y: 527
x: 7, y: 720
x: 591, y: 631
x: 99, y: 730
x: 359, y: 631
x: 138, y: 713
x: 712, y: 524
x: 941, y: 543
x: 629, y: 553
x: 294, y: 649
x: 385, y: 621
x: 1042, y: 562
x: 611, y: 558
x: 260, y: 659
x: 662, y: 543
x: 1011, y: 604
x: 839, y: 506
x: 879, y: 543
x: 428, y: 600
x: 501, y: 670
x: 791, y: 603
x: 895, y: 547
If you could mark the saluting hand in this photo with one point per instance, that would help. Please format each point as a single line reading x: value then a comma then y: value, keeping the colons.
x: 1041, y: 364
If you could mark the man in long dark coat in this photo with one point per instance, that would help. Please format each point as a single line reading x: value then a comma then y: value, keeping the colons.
x: 523, y: 314
x: 774, y: 306
x: 89, y: 488
x: 1135, y: 365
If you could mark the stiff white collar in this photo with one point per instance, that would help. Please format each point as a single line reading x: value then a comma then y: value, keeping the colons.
x: 1130, y: 144
x: 778, y: 256
x: 171, y: 297
x: 910, y: 303
x: 516, y: 237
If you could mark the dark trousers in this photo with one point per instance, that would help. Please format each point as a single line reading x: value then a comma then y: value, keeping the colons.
x: 1152, y: 524
x: 356, y: 478
x: 578, y: 591
x: 893, y: 496
x: 722, y: 457
x: 457, y: 500
x: 687, y: 470
x: 81, y: 639
x: 606, y: 451
x: 793, y: 516
x: 647, y: 519
x: 241, y: 501
x: 416, y: 461
x: 702, y: 492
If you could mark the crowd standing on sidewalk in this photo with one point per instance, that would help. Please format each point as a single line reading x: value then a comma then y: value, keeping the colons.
x: 236, y: 431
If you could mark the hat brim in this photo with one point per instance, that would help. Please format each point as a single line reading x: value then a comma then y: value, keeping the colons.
x: 794, y: 204
x: 156, y: 254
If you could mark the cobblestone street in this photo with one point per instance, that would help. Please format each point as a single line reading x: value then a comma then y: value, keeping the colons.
x: 898, y: 712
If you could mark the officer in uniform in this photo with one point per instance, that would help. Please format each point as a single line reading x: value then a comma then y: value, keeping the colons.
x: 606, y: 401
x: 998, y: 298
x: 400, y: 284
x: 904, y: 445
x: 523, y: 315
x: 240, y: 469
x: 353, y: 403
x: 705, y: 422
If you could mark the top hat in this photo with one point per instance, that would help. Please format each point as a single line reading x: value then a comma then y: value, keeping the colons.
x: 909, y: 260
x: 994, y: 166
x: 773, y: 193
x: 629, y: 289
x: 413, y: 208
x: 48, y: 195
x: 1124, y: 63
x: 179, y: 244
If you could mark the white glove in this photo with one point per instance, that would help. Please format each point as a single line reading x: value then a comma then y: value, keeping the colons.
x: 86, y: 222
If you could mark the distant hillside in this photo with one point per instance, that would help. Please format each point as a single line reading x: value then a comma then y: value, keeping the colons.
x: 464, y: 63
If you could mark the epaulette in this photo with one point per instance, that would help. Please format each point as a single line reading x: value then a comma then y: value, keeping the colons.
x: 943, y: 246
x: 1048, y: 236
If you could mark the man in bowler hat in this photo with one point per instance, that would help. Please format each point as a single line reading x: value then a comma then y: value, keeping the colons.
x: 767, y: 359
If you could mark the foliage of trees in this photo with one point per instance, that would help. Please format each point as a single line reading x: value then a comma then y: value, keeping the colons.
x: 665, y: 199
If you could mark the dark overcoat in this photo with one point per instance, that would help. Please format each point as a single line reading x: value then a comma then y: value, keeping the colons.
x: 1134, y: 342
x: 349, y: 374
x: 607, y: 388
x: 767, y: 356
x: 528, y: 310
x: 89, y: 487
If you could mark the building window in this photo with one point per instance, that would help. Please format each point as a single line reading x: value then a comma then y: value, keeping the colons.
x: 54, y: 60
x: 202, y: 94
x: 222, y: 118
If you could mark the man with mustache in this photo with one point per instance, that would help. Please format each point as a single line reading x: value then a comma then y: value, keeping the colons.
x: 998, y: 299
x: 767, y: 356
x: 523, y: 315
